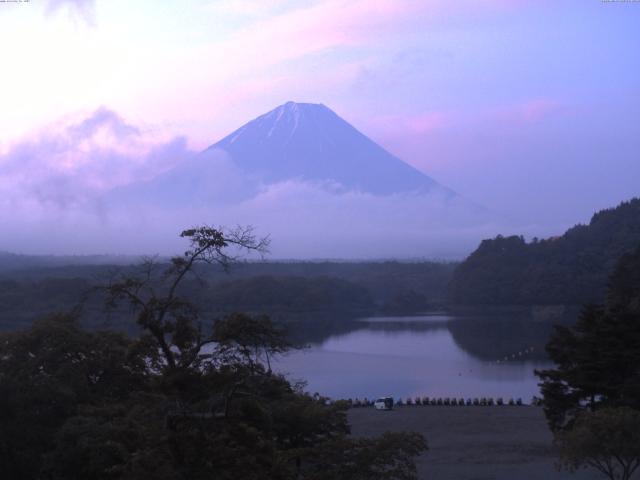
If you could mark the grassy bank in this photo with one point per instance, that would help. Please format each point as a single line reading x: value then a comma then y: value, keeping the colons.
x: 488, y: 443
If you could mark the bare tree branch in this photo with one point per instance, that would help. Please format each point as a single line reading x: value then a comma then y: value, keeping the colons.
x: 172, y: 321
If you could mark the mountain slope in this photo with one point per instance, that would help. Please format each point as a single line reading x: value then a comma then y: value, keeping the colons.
x: 310, y: 142
x: 571, y: 269
x: 294, y: 142
x: 312, y: 181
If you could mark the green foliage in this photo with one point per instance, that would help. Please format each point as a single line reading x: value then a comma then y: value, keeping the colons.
x: 24, y: 300
x: 287, y: 295
x: 607, y: 440
x: 624, y: 285
x: 290, y: 292
x: 46, y: 372
x: 571, y: 269
x: 406, y: 303
x: 247, y: 341
x: 597, y: 360
x: 111, y: 441
x: 175, y: 402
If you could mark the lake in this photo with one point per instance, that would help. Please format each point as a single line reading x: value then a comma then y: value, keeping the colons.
x: 435, y: 355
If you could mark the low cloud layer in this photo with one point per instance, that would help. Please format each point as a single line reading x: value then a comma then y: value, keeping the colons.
x: 101, y: 185
x: 316, y: 220
x: 68, y: 164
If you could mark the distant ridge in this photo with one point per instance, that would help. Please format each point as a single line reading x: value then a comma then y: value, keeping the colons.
x: 570, y: 269
x: 11, y: 262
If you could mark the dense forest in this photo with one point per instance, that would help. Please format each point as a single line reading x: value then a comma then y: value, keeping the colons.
x: 598, y: 359
x: 571, y: 269
x: 291, y: 292
x: 178, y: 401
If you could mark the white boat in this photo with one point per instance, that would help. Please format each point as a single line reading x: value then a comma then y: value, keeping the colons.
x: 383, y: 403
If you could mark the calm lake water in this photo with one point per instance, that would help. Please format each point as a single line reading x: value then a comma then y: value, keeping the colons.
x: 435, y: 355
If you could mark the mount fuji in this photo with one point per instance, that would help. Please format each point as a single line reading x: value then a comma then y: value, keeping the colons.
x: 310, y: 142
x: 295, y: 142
x: 320, y: 187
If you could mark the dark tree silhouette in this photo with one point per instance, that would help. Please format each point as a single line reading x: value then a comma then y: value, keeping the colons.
x: 571, y: 269
x: 607, y: 440
x: 598, y: 359
x: 177, y: 401
x: 165, y: 316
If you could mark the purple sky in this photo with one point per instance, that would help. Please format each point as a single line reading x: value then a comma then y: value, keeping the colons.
x: 530, y: 108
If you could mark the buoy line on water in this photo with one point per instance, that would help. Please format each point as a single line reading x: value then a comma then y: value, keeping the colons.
x: 515, y: 355
x: 449, y: 401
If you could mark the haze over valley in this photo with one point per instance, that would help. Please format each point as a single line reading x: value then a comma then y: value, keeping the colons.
x: 299, y: 164
x: 300, y: 173
x: 396, y: 146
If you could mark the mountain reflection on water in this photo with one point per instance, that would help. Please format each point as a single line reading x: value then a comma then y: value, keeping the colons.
x: 463, y: 355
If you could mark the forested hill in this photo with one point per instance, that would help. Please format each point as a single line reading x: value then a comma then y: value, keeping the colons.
x: 571, y: 269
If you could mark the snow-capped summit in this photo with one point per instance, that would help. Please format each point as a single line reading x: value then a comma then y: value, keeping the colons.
x: 310, y: 142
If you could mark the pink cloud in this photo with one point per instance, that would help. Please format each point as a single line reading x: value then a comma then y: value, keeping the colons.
x: 528, y: 111
x: 70, y: 162
x: 310, y: 30
x: 245, y: 8
x: 539, y: 108
x: 427, y: 122
x: 393, y: 126
x: 409, y: 136
x: 334, y: 23
x: 259, y: 60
